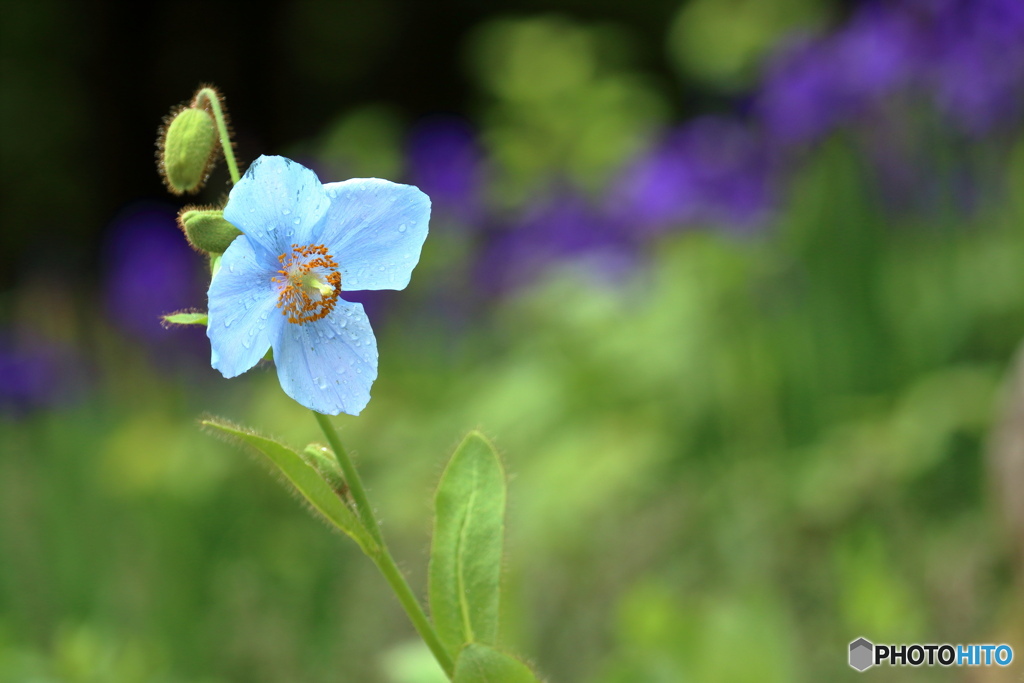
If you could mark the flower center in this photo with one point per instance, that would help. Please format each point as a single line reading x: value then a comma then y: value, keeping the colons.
x: 308, y: 283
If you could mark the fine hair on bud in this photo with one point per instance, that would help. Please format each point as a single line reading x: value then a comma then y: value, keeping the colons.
x: 187, y: 148
x: 206, y: 230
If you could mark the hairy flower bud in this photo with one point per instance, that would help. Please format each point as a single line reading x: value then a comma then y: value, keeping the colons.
x: 322, y: 459
x: 188, y: 147
x: 206, y: 229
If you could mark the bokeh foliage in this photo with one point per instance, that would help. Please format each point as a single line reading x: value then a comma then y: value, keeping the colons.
x: 732, y: 450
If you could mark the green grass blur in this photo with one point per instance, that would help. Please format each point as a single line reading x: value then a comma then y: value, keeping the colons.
x: 724, y: 467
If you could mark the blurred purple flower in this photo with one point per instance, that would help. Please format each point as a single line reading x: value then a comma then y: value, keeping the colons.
x: 969, y: 53
x: 150, y: 270
x: 881, y: 48
x: 800, y: 99
x: 446, y: 162
x: 560, y: 228
x: 711, y: 170
x: 978, y: 62
x: 37, y: 375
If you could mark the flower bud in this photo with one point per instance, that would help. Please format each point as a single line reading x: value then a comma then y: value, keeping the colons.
x: 206, y: 229
x: 188, y: 148
x: 322, y: 459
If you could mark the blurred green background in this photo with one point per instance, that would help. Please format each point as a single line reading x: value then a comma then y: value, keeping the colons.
x: 734, y: 285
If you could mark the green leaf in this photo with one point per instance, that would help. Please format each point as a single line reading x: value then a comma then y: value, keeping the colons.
x: 465, y: 557
x: 482, y: 664
x: 186, y: 318
x: 304, y: 479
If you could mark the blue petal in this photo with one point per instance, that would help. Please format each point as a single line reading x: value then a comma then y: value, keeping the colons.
x: 328, y: 365
x: 243, y: 309
x: 277, y: 203
x: 375, y: 230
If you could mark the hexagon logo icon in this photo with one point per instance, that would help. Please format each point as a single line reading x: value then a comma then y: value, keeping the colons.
x: 861, y: 654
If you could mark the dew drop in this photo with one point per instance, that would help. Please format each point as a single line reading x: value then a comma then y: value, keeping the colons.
x: 252, y: 210
x: 271, y: 227
x: 320, y: 382
x: 227, y: 323
x: 285, y: 212
x: 246, y: 343
x: 381, y: 269
x: 401, y: 228
x: 296, y: 221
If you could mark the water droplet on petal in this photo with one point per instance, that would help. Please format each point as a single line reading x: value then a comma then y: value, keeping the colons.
x: 320, y: 382
x: 297, y: 221
x: 285, y: 212
x: 402, y: 228
x: 252, y: 210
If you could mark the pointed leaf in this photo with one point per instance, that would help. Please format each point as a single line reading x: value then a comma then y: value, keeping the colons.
x: 465, y: 556
x: 482, y: 664
x: 304, y: 479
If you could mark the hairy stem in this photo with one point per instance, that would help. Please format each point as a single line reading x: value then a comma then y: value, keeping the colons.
x: 211, y: 96
x: 382, y: 556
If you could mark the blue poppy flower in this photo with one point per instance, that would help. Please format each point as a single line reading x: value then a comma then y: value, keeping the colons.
x: 280, y: 283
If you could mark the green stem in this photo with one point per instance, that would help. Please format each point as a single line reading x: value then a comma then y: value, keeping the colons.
x: 213, y: 98
x: 355, y: 484
x: 400, y: 586
x: 382, y: 557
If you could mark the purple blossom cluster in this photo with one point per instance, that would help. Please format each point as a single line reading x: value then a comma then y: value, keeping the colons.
x: 964, y: 56
x: 887, y: 62
x: 36, y: 374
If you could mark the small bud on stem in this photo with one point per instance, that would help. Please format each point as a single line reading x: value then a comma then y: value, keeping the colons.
x: 188, y: 148
x: 206, y: 229
x: 191, y: 139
